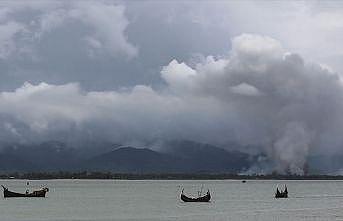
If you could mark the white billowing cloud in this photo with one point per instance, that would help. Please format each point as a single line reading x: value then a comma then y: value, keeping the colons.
x: 139, y: 114
x: 259, y: 96
x: 47, y: 103
x: 66, y: 41
x: 109, y: 23
x: 311, y: 28
x: 283, y: 104
x: 178, y: 76
x: 252, y: 46
x: 256, y: 94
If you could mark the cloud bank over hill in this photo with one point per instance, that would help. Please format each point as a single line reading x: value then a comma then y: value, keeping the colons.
x: 260, y: 96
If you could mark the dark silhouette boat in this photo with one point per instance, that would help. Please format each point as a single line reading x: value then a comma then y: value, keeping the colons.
x: 281, y: 194
x: 37, y: 193
x: 205, y: 198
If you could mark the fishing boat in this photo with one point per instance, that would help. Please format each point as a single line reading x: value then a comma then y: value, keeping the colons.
x: 37, y: 193
x: 205, y: 198
x: 281, y: 194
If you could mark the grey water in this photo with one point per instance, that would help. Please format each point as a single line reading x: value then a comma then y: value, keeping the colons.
x: 151, y: 200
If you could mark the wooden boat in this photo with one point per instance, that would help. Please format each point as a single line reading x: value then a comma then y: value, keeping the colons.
x: 282, y: 194
x: 205, y: 198
x: 36, y: 193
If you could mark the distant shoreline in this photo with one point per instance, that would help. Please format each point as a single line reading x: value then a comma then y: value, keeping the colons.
x: 159, y: 176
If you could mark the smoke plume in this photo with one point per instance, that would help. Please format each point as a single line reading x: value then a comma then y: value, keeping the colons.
x: 259, y: 96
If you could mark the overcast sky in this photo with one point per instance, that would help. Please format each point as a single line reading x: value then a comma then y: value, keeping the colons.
x: 264, y: 74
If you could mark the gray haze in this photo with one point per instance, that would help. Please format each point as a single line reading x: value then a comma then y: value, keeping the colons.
x: 263, y: 75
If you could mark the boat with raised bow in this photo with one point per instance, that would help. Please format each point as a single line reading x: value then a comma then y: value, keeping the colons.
x: 205, y: 198
x: 37, y: 193
x: 281, y: 194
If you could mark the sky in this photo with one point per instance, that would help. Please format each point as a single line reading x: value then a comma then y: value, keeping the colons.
x: 266, y: 75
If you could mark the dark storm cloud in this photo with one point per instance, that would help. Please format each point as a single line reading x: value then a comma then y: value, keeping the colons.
x: 100, y: 44
x: 63, y: 41
x: 110, y: 44
x: 147, y: 71
x: 260, y: 95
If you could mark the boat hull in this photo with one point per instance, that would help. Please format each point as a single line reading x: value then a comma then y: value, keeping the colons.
x: 281, y: 195
x: 37, y: 193
x: 205, y: 198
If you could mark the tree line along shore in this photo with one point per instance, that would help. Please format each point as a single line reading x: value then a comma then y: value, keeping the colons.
x: 159, y: 176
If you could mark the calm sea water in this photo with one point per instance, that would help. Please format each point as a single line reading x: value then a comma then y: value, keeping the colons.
x: 159, y: 200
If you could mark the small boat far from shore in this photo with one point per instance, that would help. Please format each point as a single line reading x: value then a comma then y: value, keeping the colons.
x: 205, y: 198
x: 37, y: 193
x: 282, y: 194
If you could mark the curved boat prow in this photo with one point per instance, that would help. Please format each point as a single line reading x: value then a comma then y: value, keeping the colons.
x: 205, y: 198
